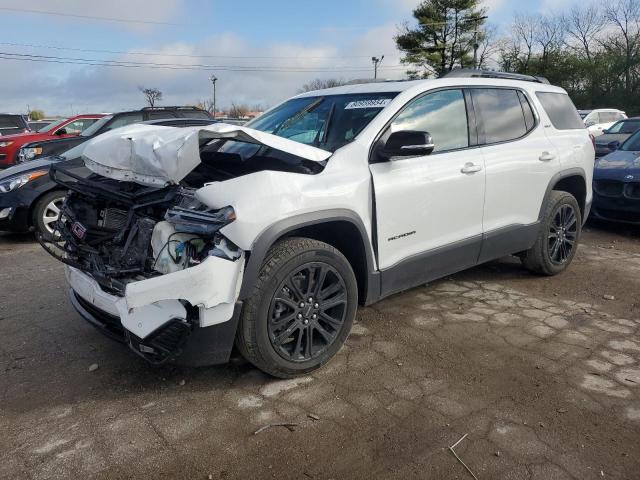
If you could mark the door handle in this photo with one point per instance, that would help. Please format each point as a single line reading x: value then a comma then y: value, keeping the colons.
x: 547, y: 157
x: 471, y: 168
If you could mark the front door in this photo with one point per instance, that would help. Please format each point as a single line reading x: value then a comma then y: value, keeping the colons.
x: 429, y: 208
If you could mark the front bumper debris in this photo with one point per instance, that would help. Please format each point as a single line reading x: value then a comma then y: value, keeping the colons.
x: 157, y: 316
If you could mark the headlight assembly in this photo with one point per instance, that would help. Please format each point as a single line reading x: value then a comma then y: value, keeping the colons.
x: 13, y: 183
x: 5, y: 144
x: 29, y: 153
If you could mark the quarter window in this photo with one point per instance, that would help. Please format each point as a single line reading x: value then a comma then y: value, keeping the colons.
x: 443, y: 114
x: 503, y: 114
x: 561, y: 110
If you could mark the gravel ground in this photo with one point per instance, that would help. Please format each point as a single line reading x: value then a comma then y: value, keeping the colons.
x: 543, y: 374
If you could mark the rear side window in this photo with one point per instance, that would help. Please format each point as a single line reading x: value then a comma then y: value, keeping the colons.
x: 12, y: 121
x: 561, y: 110
x: 503, y: 114
x: 194, y: 114
x: 123, y: 120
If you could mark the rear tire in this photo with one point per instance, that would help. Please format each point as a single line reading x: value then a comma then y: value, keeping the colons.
x: 46, y: 212
x: 301, y: 310
x: 558, y: 237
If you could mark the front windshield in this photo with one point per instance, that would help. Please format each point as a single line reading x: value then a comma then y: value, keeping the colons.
x: 91, y: 131
x: 328, y: 122
x: 625, y: 126
x: 52, y: 126
x: 632, y: 144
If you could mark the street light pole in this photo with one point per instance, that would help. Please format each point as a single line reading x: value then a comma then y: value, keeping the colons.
x: 476, y: 46
x: 214, y: 79
x: 376, y: 61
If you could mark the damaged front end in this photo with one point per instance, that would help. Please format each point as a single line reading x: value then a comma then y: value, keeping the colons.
x: 148, y: 264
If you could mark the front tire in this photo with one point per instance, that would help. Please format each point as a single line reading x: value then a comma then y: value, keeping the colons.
x: 558, y: 237
x: 301, y: 310
x: 46, y: 213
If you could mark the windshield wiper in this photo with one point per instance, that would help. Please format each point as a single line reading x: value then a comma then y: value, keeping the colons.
x: 309, y: 108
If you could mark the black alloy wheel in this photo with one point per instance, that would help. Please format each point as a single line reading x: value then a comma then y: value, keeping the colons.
x: 563, y: 233
x: 307, y: 312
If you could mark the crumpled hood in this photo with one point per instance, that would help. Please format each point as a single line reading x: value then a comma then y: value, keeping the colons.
x: 156, y: 156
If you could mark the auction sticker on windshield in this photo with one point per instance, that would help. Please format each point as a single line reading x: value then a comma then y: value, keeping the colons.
x: 372, y: 103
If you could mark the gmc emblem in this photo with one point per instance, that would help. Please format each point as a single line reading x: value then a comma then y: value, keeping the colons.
x: 79, y: 230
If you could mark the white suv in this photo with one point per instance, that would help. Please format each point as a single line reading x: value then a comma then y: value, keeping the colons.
x: 186, y: 240
x: 597, y: 121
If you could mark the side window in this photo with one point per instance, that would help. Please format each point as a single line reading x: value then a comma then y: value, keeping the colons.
x: 123, y: 120
x: 561, y: 110
x: 443, y: 114
x: 160, y: 115
x: 78, y: 126
x: 502, y: 114
x: 529, y: 117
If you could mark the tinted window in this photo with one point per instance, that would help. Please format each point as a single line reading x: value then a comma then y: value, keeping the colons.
x: 160, y: 115
x: 501, y: 113
x: 194, y: 114
x: 123, y: 120
x: 529, y: 117
x: 626, y: 126
x: 12, y: 121
x: 442, y: 114
x: 561, y: 110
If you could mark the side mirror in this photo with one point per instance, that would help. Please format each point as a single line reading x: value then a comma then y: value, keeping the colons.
x: 61, y: 131
x: 615, y: 145
x: 408, y: 144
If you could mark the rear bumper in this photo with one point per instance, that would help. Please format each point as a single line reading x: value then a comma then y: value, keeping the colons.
x: 162, y: 331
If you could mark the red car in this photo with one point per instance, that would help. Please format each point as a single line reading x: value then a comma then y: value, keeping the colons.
x: 10, y: 144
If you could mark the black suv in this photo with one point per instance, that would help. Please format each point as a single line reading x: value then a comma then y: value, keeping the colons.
x: 11, y: 124
x: 31, y: 151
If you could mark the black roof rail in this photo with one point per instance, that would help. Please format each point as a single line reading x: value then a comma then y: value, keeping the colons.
x: 472, y: 73
x: 182, y: 107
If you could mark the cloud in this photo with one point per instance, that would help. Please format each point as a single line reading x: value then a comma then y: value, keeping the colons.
x: 67, y: 89
x: 158, y: 11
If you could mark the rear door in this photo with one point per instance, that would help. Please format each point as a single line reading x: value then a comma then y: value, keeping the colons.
x: 429, y: 208
x: 520, y: 161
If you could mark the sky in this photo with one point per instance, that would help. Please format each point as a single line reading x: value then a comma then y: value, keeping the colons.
x: 277, y: 45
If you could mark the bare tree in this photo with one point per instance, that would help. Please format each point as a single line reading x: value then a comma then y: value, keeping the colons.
x: 624, y: 16
x: 583, y: 26
x: 488, y: 46
x: 321, y: 84
x: 238, y: 110
x: 549, y: 34
x: 152, y: 95
x: 524, y: 31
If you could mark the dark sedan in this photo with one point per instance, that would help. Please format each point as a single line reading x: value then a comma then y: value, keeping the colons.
x: 613, y: 137
x: 616, y: 184
x: 29, y: 199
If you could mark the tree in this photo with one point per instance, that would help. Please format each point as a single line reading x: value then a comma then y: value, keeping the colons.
x: 443, y: 38
x: 321, y: 84
x: 238, y: 110
x: 36, y: 115
x: 152, y: 95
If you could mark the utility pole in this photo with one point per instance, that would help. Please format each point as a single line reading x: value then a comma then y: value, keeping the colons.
x: 214, y: 79
x: 476, y: 45
x: 376, y: 62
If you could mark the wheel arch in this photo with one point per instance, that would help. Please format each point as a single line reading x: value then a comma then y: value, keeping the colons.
x: 343, y: 229
x: 572, y: 181
x: 36, y: 201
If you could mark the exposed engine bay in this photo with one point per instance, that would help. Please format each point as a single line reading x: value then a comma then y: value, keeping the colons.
x: 122, y: 232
